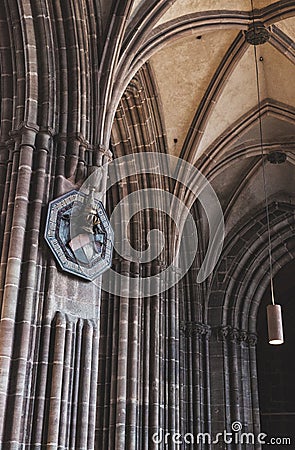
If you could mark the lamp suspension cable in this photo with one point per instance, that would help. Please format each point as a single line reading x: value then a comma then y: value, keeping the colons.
x: 263, y: 157
x: 257, y: 34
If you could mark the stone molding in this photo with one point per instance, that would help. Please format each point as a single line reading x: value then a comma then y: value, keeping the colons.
x: 195, y: 329
x: 232, y: 334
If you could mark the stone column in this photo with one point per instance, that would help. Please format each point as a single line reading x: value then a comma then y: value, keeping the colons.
x: 197, y: 337
x: 11, y: 273
x: 234, y: 386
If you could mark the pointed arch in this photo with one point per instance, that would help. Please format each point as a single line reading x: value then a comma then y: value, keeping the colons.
x: 282, y: 43
x: 224, y: 150
x: 234, y: 296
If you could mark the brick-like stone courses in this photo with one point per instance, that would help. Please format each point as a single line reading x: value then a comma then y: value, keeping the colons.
x: 138, y: 384
x: 49, y: 116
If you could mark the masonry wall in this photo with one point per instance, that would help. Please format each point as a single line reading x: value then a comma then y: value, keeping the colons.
x: 82, y: 369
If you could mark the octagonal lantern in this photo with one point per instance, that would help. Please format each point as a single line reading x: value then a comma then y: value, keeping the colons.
x: 79, y: 234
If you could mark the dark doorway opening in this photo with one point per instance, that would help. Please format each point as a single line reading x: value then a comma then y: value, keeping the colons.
x: 276, y: 366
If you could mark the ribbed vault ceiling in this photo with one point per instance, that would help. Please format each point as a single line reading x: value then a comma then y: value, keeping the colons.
x: 182, y: 7
x: 184, y: 70
x: 288, y: 27
x: 204, y: 72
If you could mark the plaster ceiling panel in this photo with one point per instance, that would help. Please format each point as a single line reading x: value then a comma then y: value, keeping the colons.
x: 226, y: 183
x: 280, y: 184
x: 183, y: 7
x: 183, y: 72
x: 288, y: 27
x: 275, y: 73
x: 274, y: 131
x: 279, y: 75
x: 238, y: 96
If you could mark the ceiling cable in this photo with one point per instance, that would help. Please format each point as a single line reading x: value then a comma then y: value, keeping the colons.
x: 257, y: 34
x: 263, y: 160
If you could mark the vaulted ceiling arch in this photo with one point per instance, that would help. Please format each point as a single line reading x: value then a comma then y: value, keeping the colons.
x: 237, y: 89
x: 232, y: 144
x: 218, y: 83
x: 199, y: 22
x: 234, y: 165
x: 245, y: 263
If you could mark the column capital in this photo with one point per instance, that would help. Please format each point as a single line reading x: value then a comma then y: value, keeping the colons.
x: 103, y: 150
x: 190, y: 329
x: 77, y: 138
x: 25, y: 133
x: 232, y: 334
x: 43, y: 137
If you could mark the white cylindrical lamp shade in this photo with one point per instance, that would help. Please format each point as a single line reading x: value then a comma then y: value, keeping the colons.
x: 275, y: 325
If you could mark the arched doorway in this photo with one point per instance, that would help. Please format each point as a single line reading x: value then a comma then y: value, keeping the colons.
x: 276, y: 364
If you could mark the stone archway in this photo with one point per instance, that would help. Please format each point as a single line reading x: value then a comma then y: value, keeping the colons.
x: 235, y: 295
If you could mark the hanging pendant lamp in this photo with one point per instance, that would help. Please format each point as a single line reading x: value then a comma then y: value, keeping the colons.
x: 258, y: 34
x: 275, y: 325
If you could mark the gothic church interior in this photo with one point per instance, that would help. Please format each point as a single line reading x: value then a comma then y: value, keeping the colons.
x: 105, y: 363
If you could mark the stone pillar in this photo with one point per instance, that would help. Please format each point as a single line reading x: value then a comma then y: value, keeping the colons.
x: 49, y: 329
x: 138, y: 388
x: 234, y: 384
x: 197, y: 397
